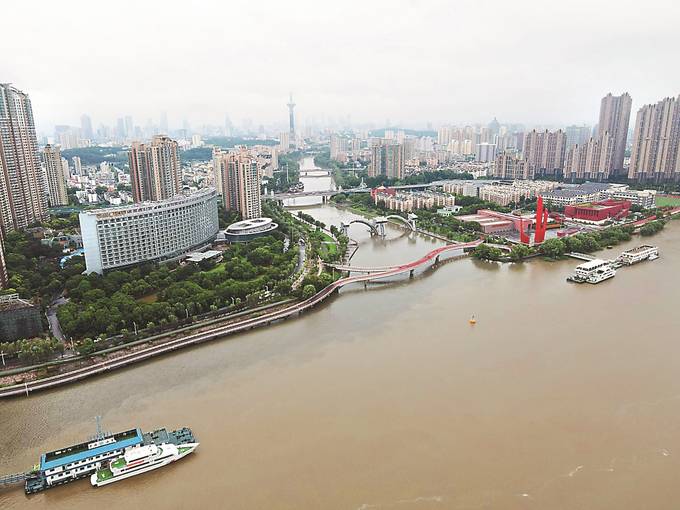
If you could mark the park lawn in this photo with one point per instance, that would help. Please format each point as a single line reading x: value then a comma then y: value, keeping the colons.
x: 328, y: 244
x: 667, y: 201
x: 219, y: 268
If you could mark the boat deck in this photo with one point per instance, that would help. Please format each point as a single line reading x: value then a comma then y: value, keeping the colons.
x: 176, y: 437
x: 104, y: 474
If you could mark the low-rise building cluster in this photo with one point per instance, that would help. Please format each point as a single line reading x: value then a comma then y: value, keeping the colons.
x: 595, y: 191
x: 493, y: 222
x: 409, y: 201
x: 505, y: 194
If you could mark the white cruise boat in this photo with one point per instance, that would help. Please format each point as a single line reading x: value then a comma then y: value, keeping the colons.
x: 140, y: 459
x: 638, y: 254
x: 601, y: 274
x: 594, y: 271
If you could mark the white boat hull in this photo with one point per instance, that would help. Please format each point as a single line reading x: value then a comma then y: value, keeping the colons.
x: 158, y: 463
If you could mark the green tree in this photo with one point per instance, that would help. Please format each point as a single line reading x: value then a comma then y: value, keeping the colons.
x: 308, y: 291
x: 519, y: 252
x: 486, y: 252
x: 553, y: 248
x: 652, y: 228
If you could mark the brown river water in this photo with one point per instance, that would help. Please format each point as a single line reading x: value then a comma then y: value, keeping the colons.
x: 562, y: 396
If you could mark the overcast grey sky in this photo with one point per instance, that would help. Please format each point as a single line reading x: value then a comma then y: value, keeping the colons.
x: 455, y: 61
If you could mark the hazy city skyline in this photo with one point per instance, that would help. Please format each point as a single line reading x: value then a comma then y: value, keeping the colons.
x: 409, y: 63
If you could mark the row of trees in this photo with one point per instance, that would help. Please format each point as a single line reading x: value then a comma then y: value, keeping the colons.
x: 32, y: 349
x: 652, y: 228
x: 156, y: 295
x: 517, y: 253
x: 585, y: 243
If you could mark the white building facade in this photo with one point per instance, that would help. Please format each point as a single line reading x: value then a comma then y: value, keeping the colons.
x: 151, y: 231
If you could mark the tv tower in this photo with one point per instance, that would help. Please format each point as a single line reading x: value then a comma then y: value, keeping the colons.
x: 291, y: 120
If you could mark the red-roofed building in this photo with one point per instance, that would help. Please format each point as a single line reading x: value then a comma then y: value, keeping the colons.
x: 598, y: 211
x: 383, y: 191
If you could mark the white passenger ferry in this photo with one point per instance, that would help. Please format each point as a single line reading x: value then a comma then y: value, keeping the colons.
x: 140, y: 459
x: 635, y: 255
x: 593, y: 271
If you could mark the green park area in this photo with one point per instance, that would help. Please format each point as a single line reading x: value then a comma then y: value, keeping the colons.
x: 158, y: 297
x: 668, y: 200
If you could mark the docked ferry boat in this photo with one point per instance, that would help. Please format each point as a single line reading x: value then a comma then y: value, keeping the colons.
x: 638, y: 254
x: 593, y: 271
x: 84, y: 459
x: 140, y: 459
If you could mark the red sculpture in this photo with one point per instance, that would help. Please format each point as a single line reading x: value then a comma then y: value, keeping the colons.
x: 541, y: 221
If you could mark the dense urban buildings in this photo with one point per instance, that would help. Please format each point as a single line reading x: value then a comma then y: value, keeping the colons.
x: 387, y: 159
x: 151, y: 231
x: 485, y: 152
x: 22, y: 187
x: 503, y: 193
x: 56, y: 180
x: 155, y: 169
x: 614, y: 119
x: 577, y: 135
x: 237, y: 177
x: 592, y: 161
x: 655, y: 155
x: 509, y: 165
x: 18, y: 319
x: 544, y: 152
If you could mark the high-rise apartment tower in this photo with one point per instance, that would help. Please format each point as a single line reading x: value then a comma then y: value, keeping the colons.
x: 155, y: 169
x: 22, y: 186
x: 54, y: 171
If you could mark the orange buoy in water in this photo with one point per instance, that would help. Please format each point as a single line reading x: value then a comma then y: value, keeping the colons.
x: 473, y: 320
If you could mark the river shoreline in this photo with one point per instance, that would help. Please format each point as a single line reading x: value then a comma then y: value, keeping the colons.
x: 388, y: 394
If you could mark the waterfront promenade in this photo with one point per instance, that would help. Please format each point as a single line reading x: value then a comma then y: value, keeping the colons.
x: 197, y: 338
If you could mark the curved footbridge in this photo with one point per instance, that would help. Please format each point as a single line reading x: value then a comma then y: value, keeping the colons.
x: 385, y: 271
x: 377, y: 225
x: 221, y: 331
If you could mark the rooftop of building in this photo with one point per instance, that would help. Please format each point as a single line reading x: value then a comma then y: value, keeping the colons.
x: 13, y: 302
x: 83, y: 451
x: 604, y: 204
x: 128, y: 209
x: 199, y: 256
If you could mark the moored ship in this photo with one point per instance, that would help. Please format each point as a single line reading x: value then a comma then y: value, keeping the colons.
x: 594, y: 271
x: 84, y: 459
x: 638, y: 254
x: 140, y: 459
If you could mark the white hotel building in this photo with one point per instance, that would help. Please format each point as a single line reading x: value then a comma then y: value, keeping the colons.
x: 117, y: 237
